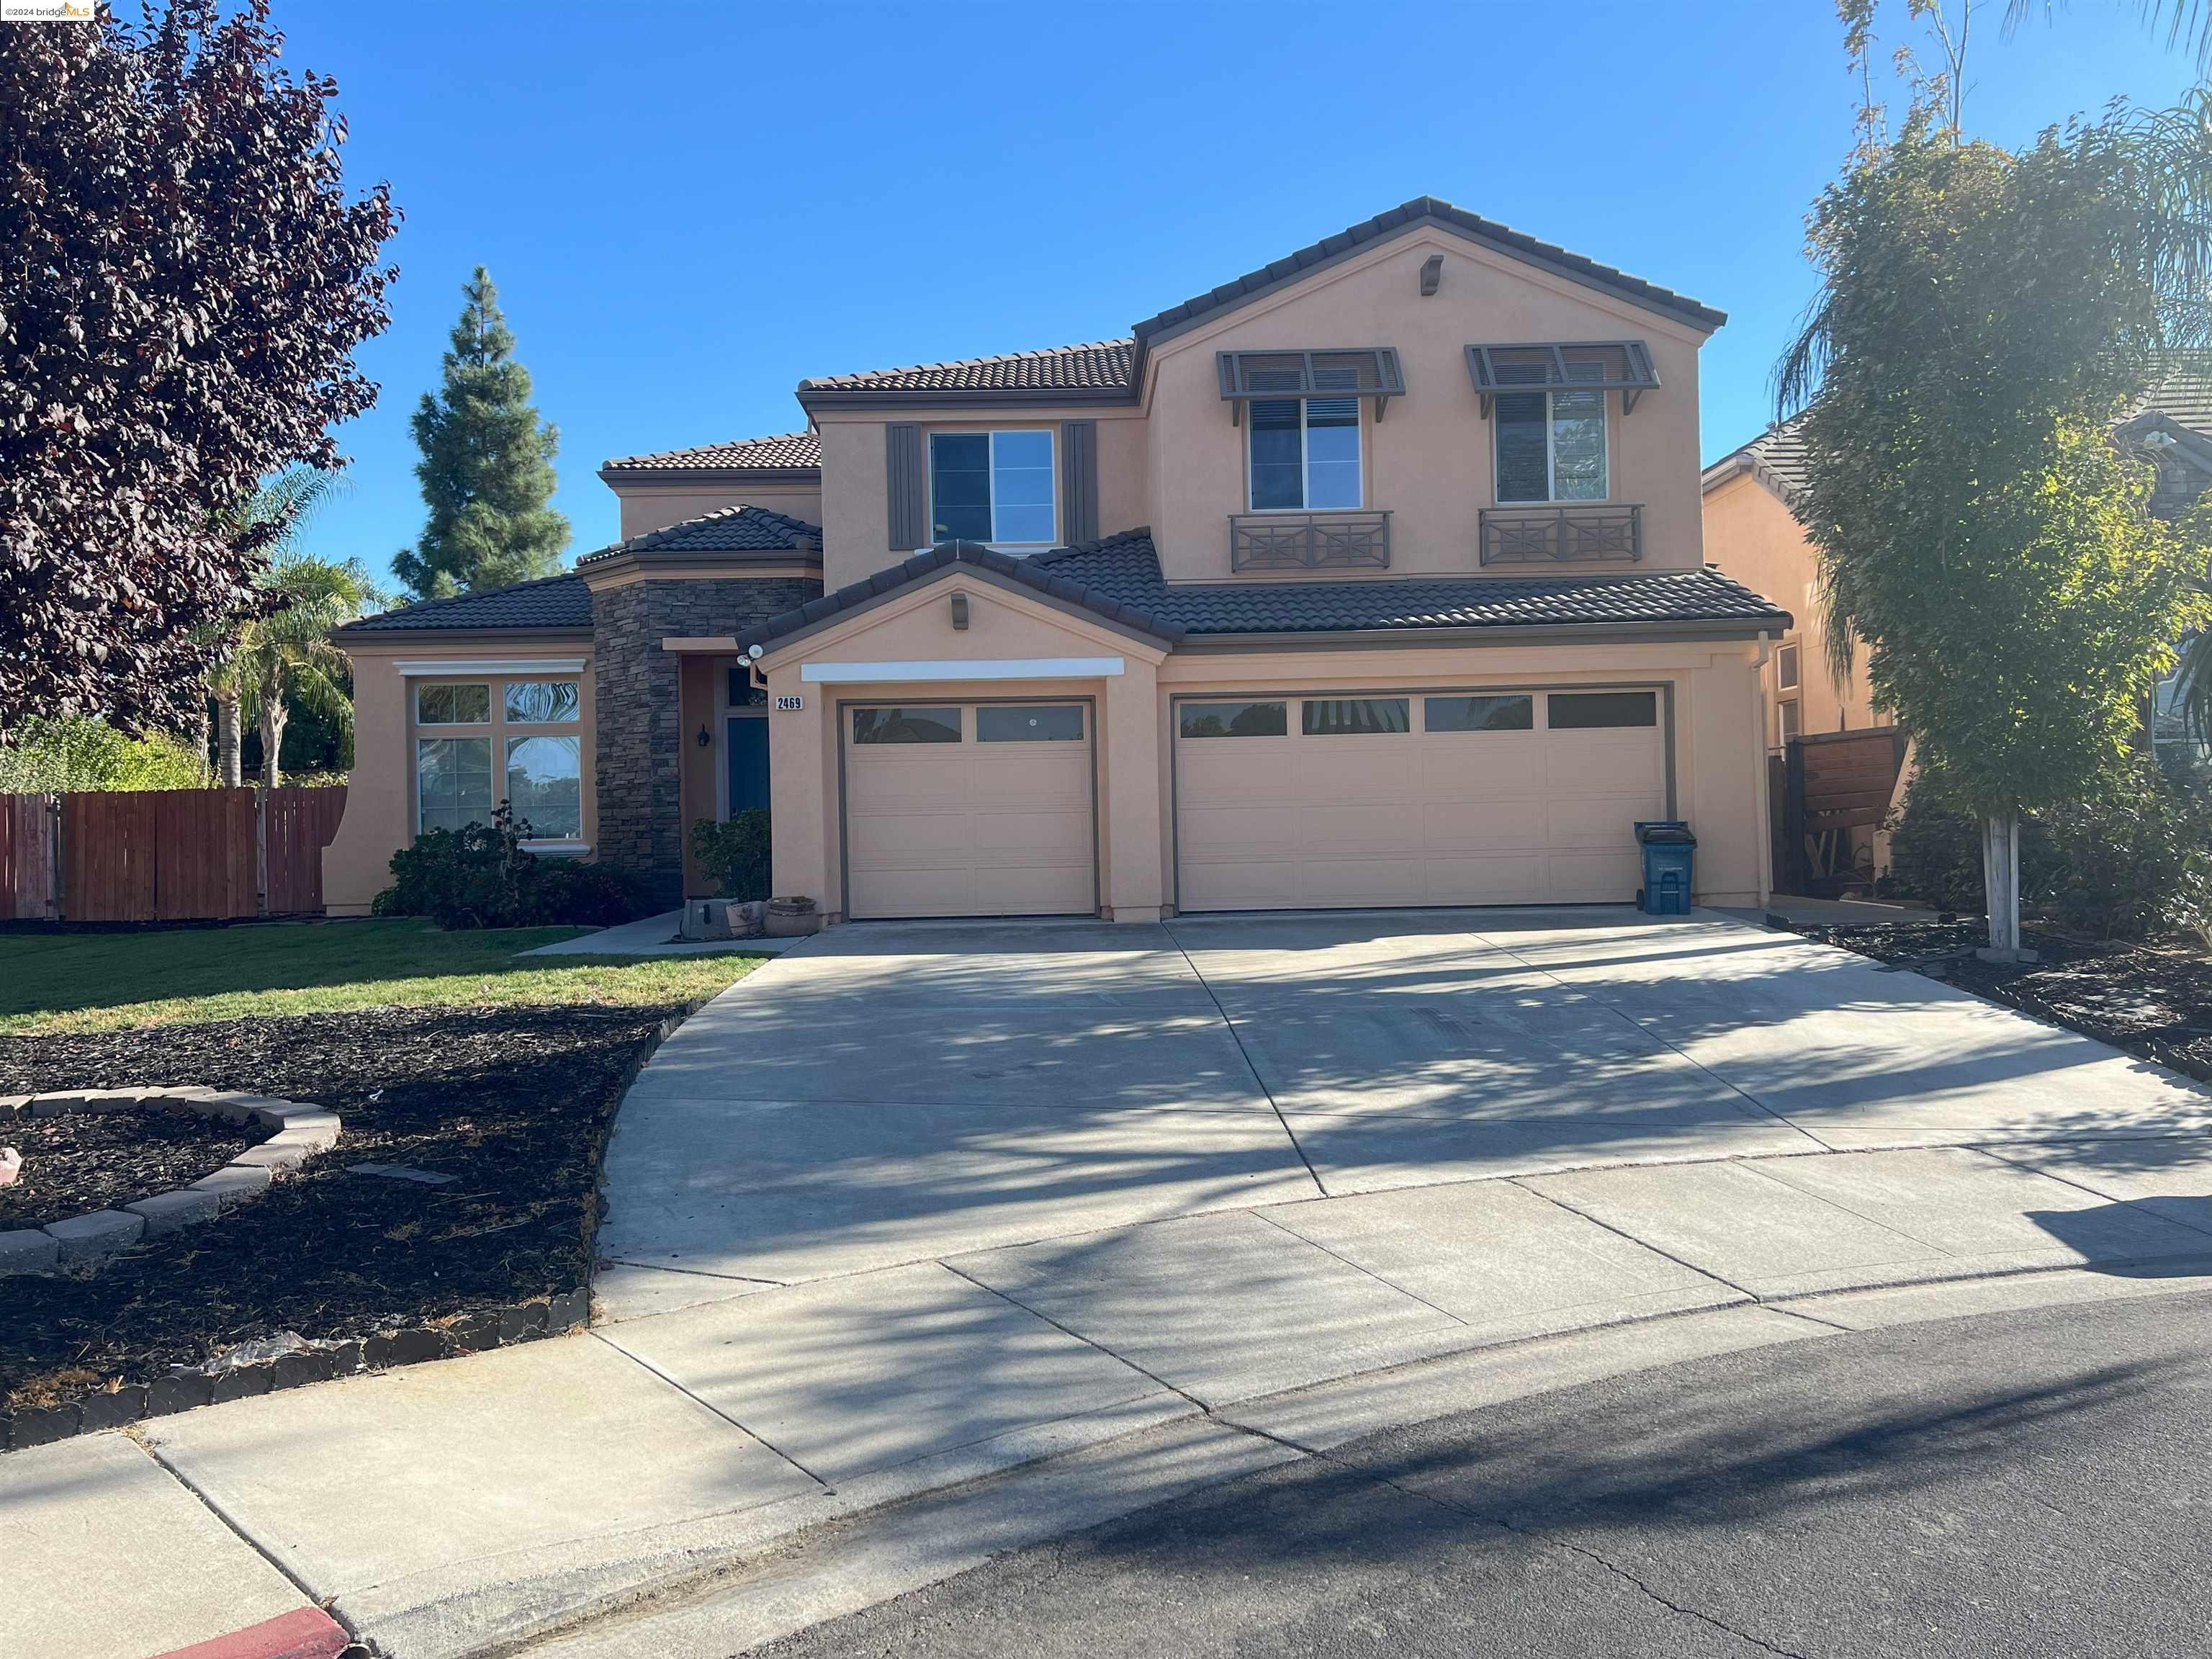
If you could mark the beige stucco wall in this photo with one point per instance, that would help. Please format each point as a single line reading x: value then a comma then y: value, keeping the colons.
x: 655, y: 506
x: 1718, y: 759
x: 1177, y: 464
x: 856, y: 500
x: 1751, y: 534
x: 380, y: 813
x: 1428, y: 460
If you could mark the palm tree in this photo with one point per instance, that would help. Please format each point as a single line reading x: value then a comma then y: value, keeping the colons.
x: 274, y: 518
x: 286, y: 651
x: 2183, y: 20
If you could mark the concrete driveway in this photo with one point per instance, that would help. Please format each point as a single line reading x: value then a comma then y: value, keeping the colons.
x: 900, y: 1093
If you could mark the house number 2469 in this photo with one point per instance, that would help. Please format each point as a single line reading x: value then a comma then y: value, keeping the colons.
x: 790, y: 705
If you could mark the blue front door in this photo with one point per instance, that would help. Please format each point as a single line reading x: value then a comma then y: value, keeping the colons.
x: 748, y: 762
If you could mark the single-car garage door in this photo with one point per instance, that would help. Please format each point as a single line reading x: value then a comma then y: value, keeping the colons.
x: 980, y: 809
x: 1502, y: 796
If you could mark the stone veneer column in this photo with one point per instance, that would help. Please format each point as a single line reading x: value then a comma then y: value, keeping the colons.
x: 639, y: 732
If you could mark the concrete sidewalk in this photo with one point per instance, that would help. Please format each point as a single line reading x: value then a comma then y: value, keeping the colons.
x: 1035, y: 1223
x: 446, y: 1509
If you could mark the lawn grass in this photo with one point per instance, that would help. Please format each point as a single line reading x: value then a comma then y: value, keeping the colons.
x: 58, y: 982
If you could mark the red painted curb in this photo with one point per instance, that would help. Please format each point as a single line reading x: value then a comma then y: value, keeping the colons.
x: 302, y: 1633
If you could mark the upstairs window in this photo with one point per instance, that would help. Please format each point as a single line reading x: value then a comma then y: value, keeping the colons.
x: 1550, y: 446
x: 1304, y: 453
x: 994, y: 487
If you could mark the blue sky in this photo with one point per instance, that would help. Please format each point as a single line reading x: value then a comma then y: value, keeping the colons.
x: 688, y: 207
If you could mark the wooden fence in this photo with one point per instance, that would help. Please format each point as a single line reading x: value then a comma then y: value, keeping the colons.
x: 165, y: 855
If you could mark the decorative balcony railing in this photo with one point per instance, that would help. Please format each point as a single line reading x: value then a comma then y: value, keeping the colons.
x: 1310, y: 541
x: 1561, y: 535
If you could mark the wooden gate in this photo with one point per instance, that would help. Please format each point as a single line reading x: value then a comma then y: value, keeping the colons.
x: 165, y: 856
x: 26, y: 857
x: 1831, y: 784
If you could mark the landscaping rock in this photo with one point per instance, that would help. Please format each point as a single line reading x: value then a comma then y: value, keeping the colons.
x: 93, y: 1237
x: 279, y: 1152
x: 180, y: 1391
x: 110, y: 1100
x: 13, y: 1106
x: 233, y: 1183
x: 28, y: 1429
x: 309, y: 1125
x: 111, y: 1409
x: 55, y: 1105
x: 29, y: 1251
x: 167, y: 1213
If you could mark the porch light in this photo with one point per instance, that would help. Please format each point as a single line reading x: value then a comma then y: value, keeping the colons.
x: 704, y: 739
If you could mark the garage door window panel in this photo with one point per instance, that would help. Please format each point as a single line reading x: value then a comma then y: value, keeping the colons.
x: 909, y: 725
x: 1338, y: 717
x: 1235, y: 720
x: 1591, y: 711
x: 1479, y: 714
x: 1029, y: 723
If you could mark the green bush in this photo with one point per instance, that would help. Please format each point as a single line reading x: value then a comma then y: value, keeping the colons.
x: 735, y: 855
x: 2134, y: 861
x: 59, y: 756
x: 482, y: 876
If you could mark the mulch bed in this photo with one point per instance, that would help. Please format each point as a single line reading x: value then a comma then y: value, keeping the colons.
x: 514, y: 1103
x: 87, y: 1161
x: 2152, y: 1000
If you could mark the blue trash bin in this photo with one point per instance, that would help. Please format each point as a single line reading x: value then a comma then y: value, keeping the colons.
x: 1670, y: 853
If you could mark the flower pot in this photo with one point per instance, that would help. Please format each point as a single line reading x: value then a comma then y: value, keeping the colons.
x: 792, y: 918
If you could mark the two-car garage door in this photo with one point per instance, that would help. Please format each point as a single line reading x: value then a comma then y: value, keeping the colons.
x: 970, y: 809
x: 1501, y: 796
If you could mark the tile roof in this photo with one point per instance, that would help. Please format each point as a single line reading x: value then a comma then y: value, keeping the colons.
x: 1120, y: 578
x: 726, y: 530
x: 1125, y: 569
x: 784, y: 452
x: 1098, y: 366
x: 1430, y: 209
x: 553, y: 603
x: 1778, y: 453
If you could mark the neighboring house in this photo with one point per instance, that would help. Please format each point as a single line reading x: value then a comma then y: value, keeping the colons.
x: 1374, y: 577
x: 1752, y: 531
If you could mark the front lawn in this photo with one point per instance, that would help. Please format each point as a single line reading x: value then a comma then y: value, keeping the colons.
x: 495, y: 1078
x: 56, y: 982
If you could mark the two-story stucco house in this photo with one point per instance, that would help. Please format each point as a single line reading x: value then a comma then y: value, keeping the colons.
x: 1374, y: 577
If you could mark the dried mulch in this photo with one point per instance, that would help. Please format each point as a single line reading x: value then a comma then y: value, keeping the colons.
x: 2152, y: 1000
x: 516, y: 1103
x: 87, y: 1161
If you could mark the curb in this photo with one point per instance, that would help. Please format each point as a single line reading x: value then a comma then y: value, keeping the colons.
x: 303, y: 1634
x: 486, y: 1328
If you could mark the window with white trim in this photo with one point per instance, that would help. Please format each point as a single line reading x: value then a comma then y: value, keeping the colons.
x: 453, y: 782
x: 544, y: 786
x: 1785, y: 668
x: 1551, y: 446
x: 1304, y: 454
x: 461, y: 774
x: 994, y: 487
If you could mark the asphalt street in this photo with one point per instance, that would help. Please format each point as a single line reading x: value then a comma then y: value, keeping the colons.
x: 2035, y: 1483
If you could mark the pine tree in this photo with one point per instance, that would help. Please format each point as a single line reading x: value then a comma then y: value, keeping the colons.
x: 487, y: 466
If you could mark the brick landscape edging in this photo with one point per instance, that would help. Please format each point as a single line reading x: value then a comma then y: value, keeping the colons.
x: 184, y: 1387
x: 87, y: 1241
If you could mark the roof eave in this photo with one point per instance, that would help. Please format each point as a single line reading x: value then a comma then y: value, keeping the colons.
x: 616, y: 477
x: 1730, y: 629
x: 353, y: 634
x: 973, y: 397
x: 1347, y: 244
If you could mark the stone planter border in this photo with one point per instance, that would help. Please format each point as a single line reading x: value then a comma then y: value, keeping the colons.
x: 86, y: 1241
x: 184, y: 1386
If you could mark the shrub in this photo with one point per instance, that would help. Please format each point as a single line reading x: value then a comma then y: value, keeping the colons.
x: 58, y: 757
x: 736, y: 855
x: 2135, y: 860
x: 482, y: 876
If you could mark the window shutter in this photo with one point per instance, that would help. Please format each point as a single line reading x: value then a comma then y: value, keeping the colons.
x: 1079, y: 481
x: 909, y: 511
